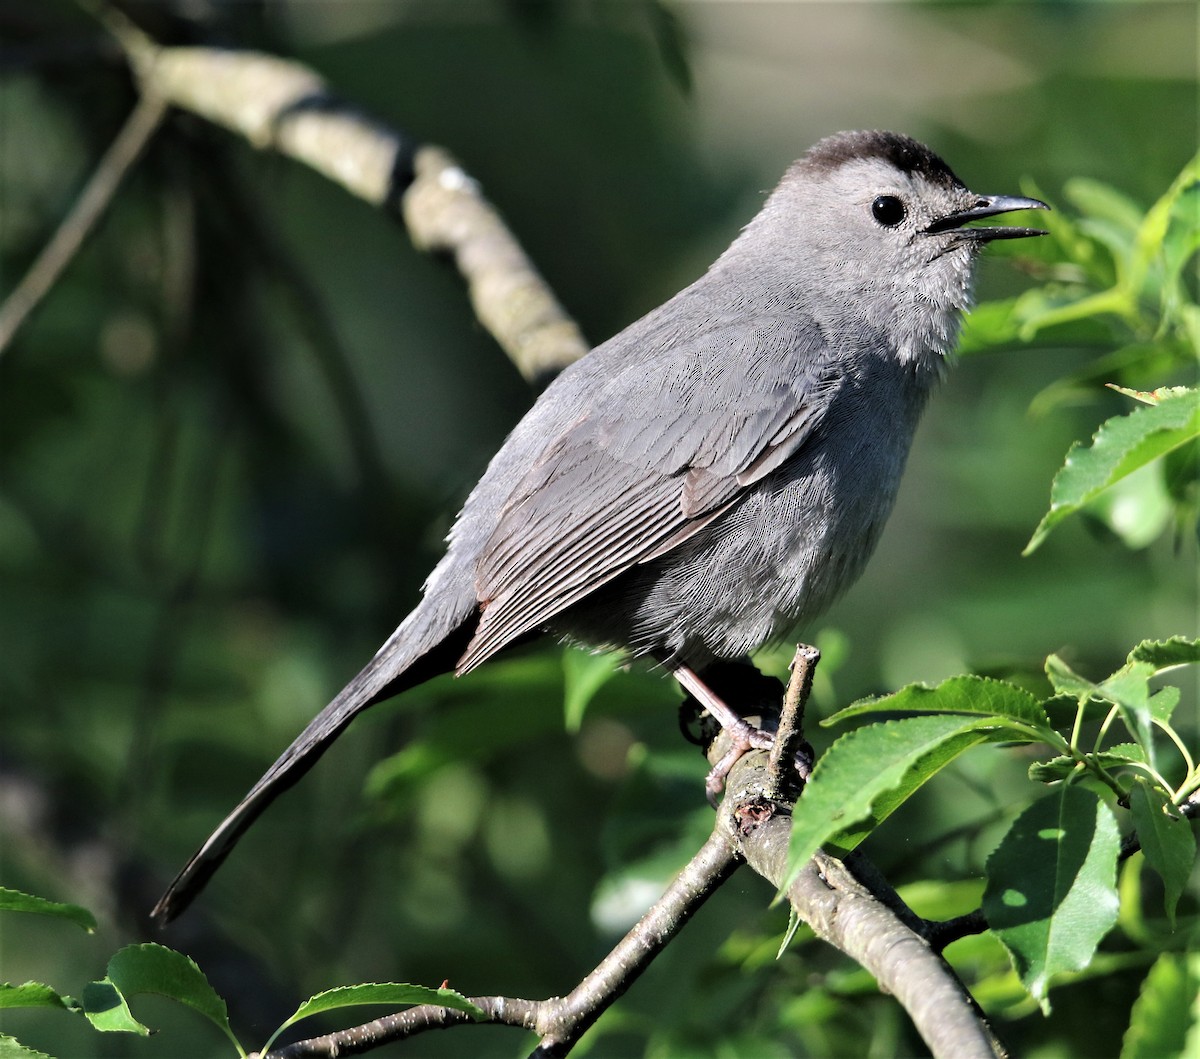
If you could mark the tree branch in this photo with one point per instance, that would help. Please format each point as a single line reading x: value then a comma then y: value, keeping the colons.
x: 844, y: 908
x: 279, y: 105
x: 78, y: 224
x: 560, y: 1021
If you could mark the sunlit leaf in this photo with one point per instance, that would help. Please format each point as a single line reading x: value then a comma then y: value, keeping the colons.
x: 1129, y: 688
x: 869, y: 772
x: 14, y: 1049
x: 1066, y: 681
x: 963, y: 694
x: 1166, y: 654
x: 32, y: 995
x: 108, y: 1010
x: 392, y: 994
x: 1113, y: 757
x: 1166, y: 839
x: 152, y: 968
x: 1119, y: 447
x: 1051, y: 891
x: 1165, y: 1019
x: 16, y: 901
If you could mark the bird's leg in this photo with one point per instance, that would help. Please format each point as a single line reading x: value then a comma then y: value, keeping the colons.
x: 744, y: 736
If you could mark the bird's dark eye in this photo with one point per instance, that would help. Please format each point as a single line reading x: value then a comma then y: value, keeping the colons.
x: 888, y: 210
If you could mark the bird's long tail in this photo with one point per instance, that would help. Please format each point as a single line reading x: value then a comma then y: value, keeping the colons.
x: 387, y: 674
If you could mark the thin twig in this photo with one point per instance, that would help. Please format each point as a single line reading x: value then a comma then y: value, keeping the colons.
x: 560, y: 1021
x: 947, y: 931
x: 565, y: 1020
x: 789, y: 736
x: 122, y: 153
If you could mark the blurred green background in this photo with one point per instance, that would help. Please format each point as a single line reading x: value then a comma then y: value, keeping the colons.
x: 232, y: 439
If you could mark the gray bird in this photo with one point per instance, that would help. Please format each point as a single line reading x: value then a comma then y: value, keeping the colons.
x: 717, y: 473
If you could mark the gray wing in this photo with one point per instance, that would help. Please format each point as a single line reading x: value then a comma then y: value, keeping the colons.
x: 663, y: 448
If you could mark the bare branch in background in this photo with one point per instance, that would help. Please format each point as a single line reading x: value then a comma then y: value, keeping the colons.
x: 280, y: 105
x: 78, y: 224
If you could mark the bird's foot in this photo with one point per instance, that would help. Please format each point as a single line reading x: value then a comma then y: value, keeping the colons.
x: 743, y: 737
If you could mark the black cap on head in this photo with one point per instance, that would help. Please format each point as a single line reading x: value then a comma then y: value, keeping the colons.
x: 905, y: 153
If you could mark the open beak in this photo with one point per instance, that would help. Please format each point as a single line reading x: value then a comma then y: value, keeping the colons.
x: 989, y: 206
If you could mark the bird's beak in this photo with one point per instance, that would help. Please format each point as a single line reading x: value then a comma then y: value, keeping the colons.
x: 989, y: 206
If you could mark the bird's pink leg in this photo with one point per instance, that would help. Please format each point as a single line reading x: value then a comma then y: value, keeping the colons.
x: 745, y: 736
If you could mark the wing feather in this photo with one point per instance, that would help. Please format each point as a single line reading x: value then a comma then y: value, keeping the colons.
x: 662, y: 450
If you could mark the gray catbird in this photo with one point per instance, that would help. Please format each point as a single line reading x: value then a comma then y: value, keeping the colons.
x: 719, y: 471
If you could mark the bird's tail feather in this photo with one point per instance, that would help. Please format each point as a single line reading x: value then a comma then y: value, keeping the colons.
x: 384, y: 676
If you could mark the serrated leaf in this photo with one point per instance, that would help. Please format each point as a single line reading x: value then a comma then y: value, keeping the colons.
x: 1065, y: 681
x: 10, y: 1048
x: 152, y: 968
x: 1119, y: 447
x: 853, y: 777
x: 31, y: 995
x: 393, y: 994
x: 585, y: 673
x: 107, y: 1010
x: 919, y: 773
x: 1166, y: 839
x: 1166, y: 654
x: 1051, y: 890
x: 17, y: 901
x: 1167, y: 1010
x: 1149, y: 396
x: 963, y: 694
x: 1163, y: 703
x: 1059, y: 768
x: 1129, y: 688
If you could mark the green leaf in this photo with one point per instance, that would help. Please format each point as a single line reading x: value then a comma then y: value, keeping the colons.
x: 1059, y: 768
x: 1151, y: 397
x: 1166, y: 654
x: 1129, y: 688
x: 1065, y: 681
x: 1051, y: 890
x: 31, y: 995
x: 867, y: 773
x: 393, y: 994
x: 107, y: 1010
x: 1138, y: 509
x: 585, y: 673
x: 1119, y: 447
x: 965, y: 694
x: 1167, y: 840
x: 1167, y: 1011
x: 152, y: 968
x: 16, y: 901
x: 14, y: 1049
x: 1101, y: 201
x: 1163, y: 703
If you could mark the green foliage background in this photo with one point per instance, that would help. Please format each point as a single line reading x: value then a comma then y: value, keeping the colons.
x: 232, y: 438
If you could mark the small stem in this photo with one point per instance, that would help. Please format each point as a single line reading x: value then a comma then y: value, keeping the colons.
x: 58, y: 253
x: 789, y: 736
x: 559, y: 1021
x: 1104, y: 727
x: 1179, y: 744
x: 1077, y: 727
